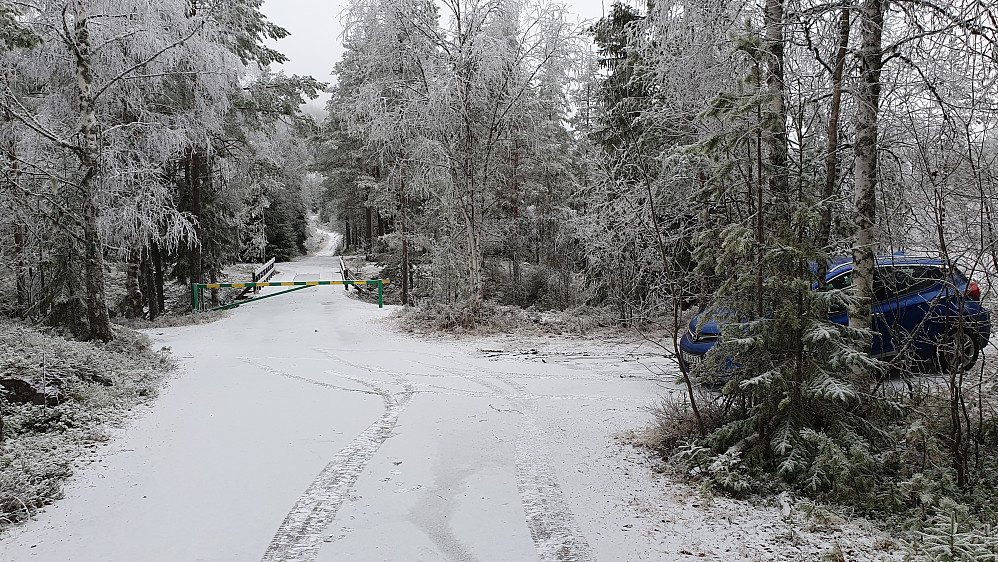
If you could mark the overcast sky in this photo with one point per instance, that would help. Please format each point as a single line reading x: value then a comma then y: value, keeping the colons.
x: 315, y: 43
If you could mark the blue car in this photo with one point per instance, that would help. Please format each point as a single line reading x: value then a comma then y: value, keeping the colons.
x: 918, y: 304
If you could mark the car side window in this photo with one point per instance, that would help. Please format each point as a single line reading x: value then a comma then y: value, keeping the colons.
x: 840, y: 282
x: 903, y: 280
x: 881, y: 288
x: 924, y: 277
x: 894, y: 281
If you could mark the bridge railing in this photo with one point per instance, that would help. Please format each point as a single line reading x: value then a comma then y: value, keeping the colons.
x: 264, y: 273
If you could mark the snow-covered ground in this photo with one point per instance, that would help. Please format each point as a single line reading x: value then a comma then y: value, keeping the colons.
x: 304, y: 427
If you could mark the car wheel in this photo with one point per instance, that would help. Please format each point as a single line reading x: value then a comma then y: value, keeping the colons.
x: 957, y: 351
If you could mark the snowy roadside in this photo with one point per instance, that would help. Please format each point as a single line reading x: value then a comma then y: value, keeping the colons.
x: 680, y: 518
x: 60, y: 401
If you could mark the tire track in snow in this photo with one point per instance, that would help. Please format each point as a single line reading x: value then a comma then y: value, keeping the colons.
x: 284, y: 374
x: 552, y: 525
x: 301, y: 533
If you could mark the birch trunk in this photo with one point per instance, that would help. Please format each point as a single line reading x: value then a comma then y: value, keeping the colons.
x: 466, y: 182
x: 93, y: 274
x: 868, y: 103
x: 474, y: 247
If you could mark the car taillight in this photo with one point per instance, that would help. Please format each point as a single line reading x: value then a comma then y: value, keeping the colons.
x: 973, y: 291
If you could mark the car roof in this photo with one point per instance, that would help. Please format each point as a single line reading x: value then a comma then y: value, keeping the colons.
x: 844, y: 263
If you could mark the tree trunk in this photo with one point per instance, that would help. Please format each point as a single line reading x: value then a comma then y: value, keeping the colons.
x: 760, y: 230
x: 955, y: 381
x: 516, y: 223
x: 93, y: 274
x: 194, y: 176
x: 674, y: 290
x: 369, y: 242
x: 865, y: 147
x: 776, y: 121
x: 474, y: 252
x: 405, y: 246
x: 148, y: 282
x: 471, y: 215
x: 467, y: 180
x: 21, y: 281
x: 832, y: 158
x: 133, y: 308
x: 157, y: 262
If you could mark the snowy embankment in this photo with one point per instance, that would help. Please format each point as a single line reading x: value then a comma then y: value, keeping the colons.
x: 304, y: 427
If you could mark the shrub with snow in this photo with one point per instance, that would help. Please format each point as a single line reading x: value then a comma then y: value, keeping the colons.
x: 58, y: 398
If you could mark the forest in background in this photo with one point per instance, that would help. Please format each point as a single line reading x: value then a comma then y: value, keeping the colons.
x: 665, y: 158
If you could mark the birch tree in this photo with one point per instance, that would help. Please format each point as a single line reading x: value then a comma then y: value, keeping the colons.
x: 94, y: 38
x: 871, y: 14
x: 125, y: 62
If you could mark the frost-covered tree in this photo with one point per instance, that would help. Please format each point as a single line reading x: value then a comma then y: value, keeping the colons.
x: 439, y: 114
x: 137, y: 88
x: 92, y: 140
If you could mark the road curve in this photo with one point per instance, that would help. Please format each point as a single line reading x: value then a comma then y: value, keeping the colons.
x: 304, y: 428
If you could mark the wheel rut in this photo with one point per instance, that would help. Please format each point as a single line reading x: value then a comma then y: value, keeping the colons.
x: 552, y: 525
x: 548, y: 517
x: 301, y: 534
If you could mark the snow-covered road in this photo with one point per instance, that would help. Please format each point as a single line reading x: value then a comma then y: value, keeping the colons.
x: 304, y: 428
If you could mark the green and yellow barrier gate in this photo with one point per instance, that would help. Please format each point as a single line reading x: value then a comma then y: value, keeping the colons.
x: 197, y: 290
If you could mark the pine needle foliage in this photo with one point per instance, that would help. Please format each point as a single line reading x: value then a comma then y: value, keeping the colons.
x: 798, y: 409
